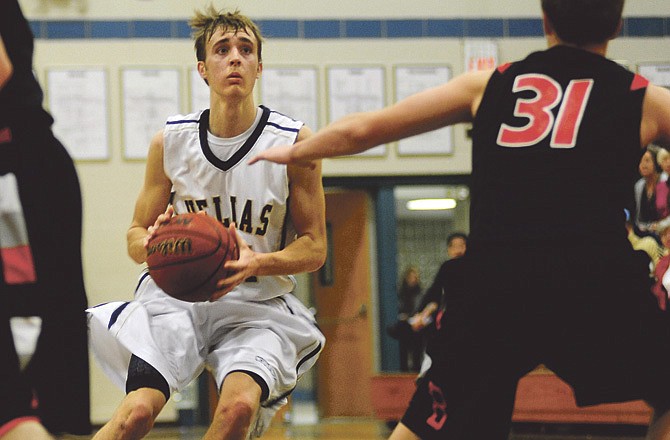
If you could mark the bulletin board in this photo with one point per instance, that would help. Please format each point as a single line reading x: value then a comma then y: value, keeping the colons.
x: 77, y: 100
x: 356, y: 89
x: 292, y: 91
x: 413, y: 79
x: 149, y: 96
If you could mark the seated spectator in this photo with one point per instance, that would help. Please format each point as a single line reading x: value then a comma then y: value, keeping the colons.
x: 659, y: 289
x: 648, y: 244
x: 663, y: 159
x: 651, y: 195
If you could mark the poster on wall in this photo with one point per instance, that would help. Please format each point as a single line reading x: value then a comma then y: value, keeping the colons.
x: 658, y: 74
x: 480, y: 54
x: 293, y: 92
x: 356, y: 89
x: 77, y: 100
x: 413, y: 79
x: 198, y: 91
x: 149, y: 96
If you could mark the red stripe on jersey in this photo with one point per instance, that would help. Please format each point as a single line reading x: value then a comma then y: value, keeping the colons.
x: 639, y: 82
x: 5, y: 135
x: 504, y: 67
x: 18, y: 266
x: 4, y: 429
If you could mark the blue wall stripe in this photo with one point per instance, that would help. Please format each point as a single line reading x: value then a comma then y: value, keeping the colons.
x: 353, y: 28
x: 110, y: 29
x: 183, y: 30
x: 363, y: 28
x: 645, y: 27
x: 66, y: 29
x: 524, y: 27
x: 404, y: 28
x: 490, y: 28
x: 151, y: 29
x: 279, y: 28
x: 445, y: 28
x: 323, y: 29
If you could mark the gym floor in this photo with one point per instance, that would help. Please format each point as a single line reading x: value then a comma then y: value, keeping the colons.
x: 367, y: 429
x: 371, y: 429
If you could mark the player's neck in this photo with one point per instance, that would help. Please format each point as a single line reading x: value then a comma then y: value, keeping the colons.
x: 600, y: 48
x: 228, y: 119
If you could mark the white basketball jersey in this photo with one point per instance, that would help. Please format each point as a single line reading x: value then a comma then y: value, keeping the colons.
x: 211, y: 174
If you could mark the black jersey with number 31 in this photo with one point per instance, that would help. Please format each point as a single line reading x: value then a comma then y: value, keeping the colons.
x: 556, y: 143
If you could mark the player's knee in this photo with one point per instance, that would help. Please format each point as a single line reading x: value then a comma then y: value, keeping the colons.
x: 139, y: 420
x: 237, y: 413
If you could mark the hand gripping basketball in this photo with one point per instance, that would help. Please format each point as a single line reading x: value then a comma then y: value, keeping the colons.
x: 186, y: 256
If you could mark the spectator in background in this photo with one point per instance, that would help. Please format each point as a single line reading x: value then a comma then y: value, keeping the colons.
x: 647, y: 244
x: 663, y: 159
x: 651, y: 206
x: 661, y: 268
x: 433, y: 298
x: 411, y: 349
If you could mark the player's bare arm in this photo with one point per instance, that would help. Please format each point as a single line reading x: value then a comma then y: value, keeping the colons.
x: 655, y: 125
x: 151, y: 202
x: 308, y: 252
x: 6, y: 66
x: 450, y: 103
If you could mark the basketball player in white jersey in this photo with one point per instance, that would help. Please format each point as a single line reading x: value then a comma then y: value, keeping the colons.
x: 254, y: 335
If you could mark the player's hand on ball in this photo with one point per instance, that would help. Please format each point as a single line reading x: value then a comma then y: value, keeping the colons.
x: 160, y: 220
x: 239, y: 270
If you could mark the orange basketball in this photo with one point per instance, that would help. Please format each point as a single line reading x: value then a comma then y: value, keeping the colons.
x: 187, y: 254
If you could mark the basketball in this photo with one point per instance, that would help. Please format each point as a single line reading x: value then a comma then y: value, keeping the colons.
x: 186, y: 256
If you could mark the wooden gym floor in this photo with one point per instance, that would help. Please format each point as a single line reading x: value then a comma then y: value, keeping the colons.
x: 371, y: 429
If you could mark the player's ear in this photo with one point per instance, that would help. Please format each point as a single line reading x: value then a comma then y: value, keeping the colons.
x: 202, y: 71
x: 260, y: 69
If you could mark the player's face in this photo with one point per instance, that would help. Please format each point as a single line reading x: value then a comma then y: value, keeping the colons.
x: 231, y: 66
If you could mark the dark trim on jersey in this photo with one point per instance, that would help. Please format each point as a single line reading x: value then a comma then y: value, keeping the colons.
x: 116, y: 313
x: 288, y: 393
x: 293, y: 130
x: 145, y: 274
x: 265, y: 389
x: 181, y: 121
x: 225, y: 165
x: 281, y: 298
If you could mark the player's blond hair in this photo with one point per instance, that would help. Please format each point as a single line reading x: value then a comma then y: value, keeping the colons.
x: 205, y: 23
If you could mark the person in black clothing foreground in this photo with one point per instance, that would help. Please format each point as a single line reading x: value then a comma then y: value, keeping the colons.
x: 40, y: 255
x: 550, y: 277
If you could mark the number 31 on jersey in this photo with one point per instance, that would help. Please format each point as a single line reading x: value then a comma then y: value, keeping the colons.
x: 538, y: 110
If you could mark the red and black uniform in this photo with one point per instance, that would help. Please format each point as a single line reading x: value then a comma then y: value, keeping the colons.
x: 549, y: 276
x: 40, y: 250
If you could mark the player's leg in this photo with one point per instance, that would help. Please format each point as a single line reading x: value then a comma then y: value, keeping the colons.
x: 134, y: 418
x: 147, y: 392
x: 239, y: 403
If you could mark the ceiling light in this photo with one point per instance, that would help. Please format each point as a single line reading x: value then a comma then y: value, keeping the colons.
x: 431, y: 204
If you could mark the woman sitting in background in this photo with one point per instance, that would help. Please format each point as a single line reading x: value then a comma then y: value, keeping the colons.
x: 651, y: 195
